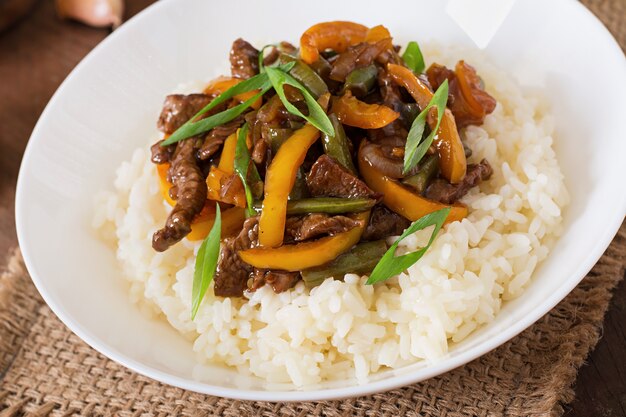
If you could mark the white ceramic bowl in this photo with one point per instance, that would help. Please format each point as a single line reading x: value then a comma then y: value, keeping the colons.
x: 108, y: 105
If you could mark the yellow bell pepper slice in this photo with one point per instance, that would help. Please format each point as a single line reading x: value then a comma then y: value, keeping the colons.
x: 307, y: 254
x: 279, y: 180
x: 221, y: 84
x: 403, y: 201
x: 447, y: 141
x: 232, y: 222
x: 227, y: 160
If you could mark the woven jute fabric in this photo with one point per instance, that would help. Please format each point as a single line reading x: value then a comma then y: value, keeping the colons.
x: 47, y: 370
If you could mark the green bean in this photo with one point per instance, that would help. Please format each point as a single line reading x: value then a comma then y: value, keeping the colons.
x: 359, y: 260
x: 322, y: 67
x: 337, y: 146
x: 277, y: 136
x: 327, y: 205
x: 361, y: 80
x: 427, y: 170
x: 307, y: 77
x: 300, y: 190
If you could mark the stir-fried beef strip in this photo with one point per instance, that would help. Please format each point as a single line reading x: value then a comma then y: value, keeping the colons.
x: 244, y: 59
x: 328, y: 178
x: 231, y: 186
x: 161, y: 154
x: 318, y: 224
x: 384, y: 223
x: 357, y: 56
x: 444, y: 192
x: 191, y: 193
x: 178, y: 108
x: 280, y: 281
x: 469, y: 105
x: 215, y: 138
x: 231, y: 276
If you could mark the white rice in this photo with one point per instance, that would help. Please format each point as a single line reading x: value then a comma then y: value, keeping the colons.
x: 347, y: 329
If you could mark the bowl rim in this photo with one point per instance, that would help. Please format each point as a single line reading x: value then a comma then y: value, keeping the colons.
x: 602, y: 241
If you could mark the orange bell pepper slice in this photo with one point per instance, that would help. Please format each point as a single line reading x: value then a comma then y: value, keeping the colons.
x: 164, y: 184
x: 221, y: 84
x: 403, y: 201
x: 307, y: 254
x: 215, y: 181
x: 279, y: 180
x: 377, y: 33
x: 337, y: 36
x: 232, y: 222
x: 353, y: 112
x: 447, y: 141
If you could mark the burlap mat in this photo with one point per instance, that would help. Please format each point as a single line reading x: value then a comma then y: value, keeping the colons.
x: 47, y: 370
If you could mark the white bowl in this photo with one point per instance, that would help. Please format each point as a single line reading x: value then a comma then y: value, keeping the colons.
x: 108, y: 104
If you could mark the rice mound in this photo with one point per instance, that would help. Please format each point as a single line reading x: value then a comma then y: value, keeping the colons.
x: 346, y: 329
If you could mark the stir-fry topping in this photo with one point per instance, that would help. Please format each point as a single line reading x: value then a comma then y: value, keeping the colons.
x: 305, y: 160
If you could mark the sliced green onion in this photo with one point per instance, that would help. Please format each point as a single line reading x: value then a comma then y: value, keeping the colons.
x: 413, y: 57
x: 390, y: 265
x: 193, y: 127
x: 206, y: 263
x: 317, y: 117
x: 242, y: 164
x: 415, y: 148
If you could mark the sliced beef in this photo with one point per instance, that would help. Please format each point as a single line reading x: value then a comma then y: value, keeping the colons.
x: 244, y: 59
x: 231, y: 276
x: 161, y: 154
x: 258, y: 278
x: 384, y: 223
x: 178, y: 108
x: 469, y: 105
x: 279, y: 280
x: 357, y: 56
x: 444, y: 192
x: 328, y: 178
x: 318, y: 224
x: 191, y: 192
x: 216, y: 137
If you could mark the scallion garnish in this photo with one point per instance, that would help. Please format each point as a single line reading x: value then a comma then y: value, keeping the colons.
x: 413, y: 57
x: 206, y: 263
x: 242, y: 165
x: 194, y: 127
x: 317, y: 116
x: 415, y: 147
x: 262, y: 57
x: 204, y: 125
x: 390, y: 265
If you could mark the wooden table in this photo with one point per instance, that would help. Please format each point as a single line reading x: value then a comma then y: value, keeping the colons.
x: 38, y: 53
